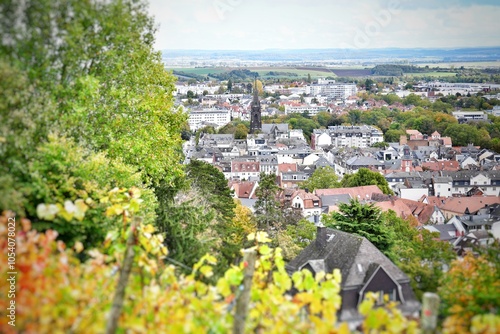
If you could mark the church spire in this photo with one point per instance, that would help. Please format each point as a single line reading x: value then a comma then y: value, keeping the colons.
x: 255, y: 114
x: 255, y: 90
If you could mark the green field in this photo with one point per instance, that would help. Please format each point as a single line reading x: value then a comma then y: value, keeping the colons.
x: 283, y: 72
x: 322, y: 72
x: 431, y: 74
x: 473, y: 64
x: 200, y: 70
x: 301, y: 73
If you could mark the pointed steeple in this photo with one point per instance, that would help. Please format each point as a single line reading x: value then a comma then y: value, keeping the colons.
x: 255, y: 114
x: 255, y: 91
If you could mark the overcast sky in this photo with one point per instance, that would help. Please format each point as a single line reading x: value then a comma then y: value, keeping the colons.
x: 301, y: 24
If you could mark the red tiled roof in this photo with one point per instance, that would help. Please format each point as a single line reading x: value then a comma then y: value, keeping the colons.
x: 422, y: 211
x: 446, y: 141
x: 243, y: 189
x: 362, y: 192
x: 458, y: 205
x: 397, y: 206
x: 287, y: 167
x: 413, y: 132
x: 307, y: 197
x: 450, y: 165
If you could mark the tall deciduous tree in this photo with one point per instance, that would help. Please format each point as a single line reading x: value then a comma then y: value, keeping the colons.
x: 267, y: 207
x: 419, y: 253
x: 213, y: 186
x: 365, y: 177
x: 471, y: 287
x: 188, y: 222
x: 112, y: 90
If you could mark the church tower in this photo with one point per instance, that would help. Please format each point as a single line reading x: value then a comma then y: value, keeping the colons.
x: 255, y: 114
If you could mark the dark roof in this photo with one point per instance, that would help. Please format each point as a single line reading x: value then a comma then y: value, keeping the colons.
x: 321, y: 162
x: 446, y: 231
x: 282, y: 127
x: 352, y: 254
x: 330, y: 200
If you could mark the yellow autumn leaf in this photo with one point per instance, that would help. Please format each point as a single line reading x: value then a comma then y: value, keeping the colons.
x: 148, y: 228
x: 78, y: 247
x: 262, y: 237
x: 114, y: 210
x: 80, y: 209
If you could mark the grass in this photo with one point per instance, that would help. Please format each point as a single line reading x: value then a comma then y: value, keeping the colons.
x: 472, y: 64
x: 301, y: 73
x: 199, y: 70
x: 431, y: 74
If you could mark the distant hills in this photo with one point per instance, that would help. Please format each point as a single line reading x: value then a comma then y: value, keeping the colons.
x: 321, y: 55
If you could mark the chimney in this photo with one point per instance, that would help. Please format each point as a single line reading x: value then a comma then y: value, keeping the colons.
x: 321, y: 237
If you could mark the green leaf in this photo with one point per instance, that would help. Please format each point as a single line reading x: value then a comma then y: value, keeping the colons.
x: 264, y: 250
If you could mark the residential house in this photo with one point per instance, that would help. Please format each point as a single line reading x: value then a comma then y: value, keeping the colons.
x: 396, y: 178
x: 320, y: 138
x: 275, y: 131
x: 425, y: 213
x: 268, y: 164
x: 449, y: 165
x: 330, y: 203
x: 307, y: 203
x: 459, y: 206
x: 353, y: 164
x: 441, y: 186
x: 293, y: 179
x: 363, y: 268
x: 244, y: 169
x: 243, y: 189
x: 413, y: 190
x: 463, y: 181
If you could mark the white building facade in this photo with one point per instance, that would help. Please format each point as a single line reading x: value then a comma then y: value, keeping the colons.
x: 200, y: 118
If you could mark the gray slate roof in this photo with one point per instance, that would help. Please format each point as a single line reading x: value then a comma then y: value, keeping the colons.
x: 331, y: 200
x: 350, y: 253
x: 282, y: 127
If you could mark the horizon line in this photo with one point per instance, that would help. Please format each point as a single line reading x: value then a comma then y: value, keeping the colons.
x: 339, y: 48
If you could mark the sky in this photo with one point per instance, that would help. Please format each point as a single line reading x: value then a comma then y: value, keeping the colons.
x: 322, y: 24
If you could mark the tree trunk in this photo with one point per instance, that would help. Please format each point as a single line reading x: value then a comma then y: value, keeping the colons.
x: 119, y: 297
x: 244, y: 299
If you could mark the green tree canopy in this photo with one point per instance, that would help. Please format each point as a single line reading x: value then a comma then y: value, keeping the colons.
x: 463, y: 134
x: 112, y: 90
x: 213, y: 186
x: 267, y: 207
x: 366, y: 177
x: 322, y: 178
x: 472, y: 286
x: 419, y: 253
x: 364, y: 220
